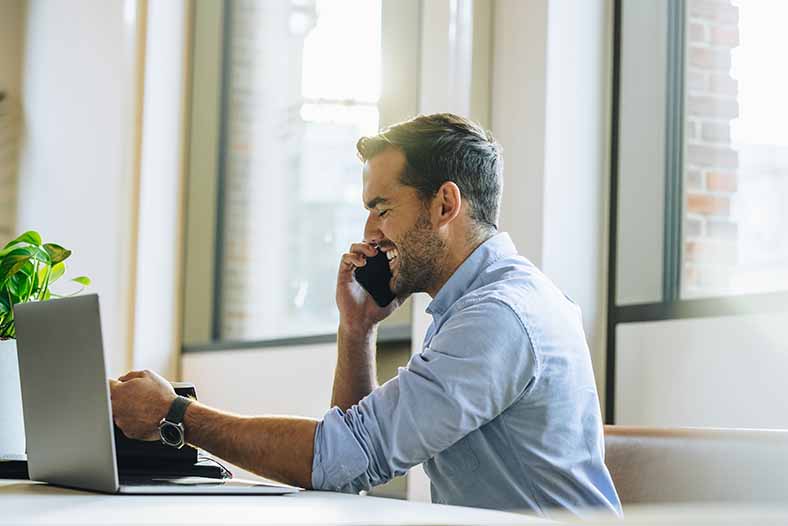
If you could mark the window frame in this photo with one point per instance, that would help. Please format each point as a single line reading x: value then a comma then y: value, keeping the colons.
x: 400, y: 50
x: 671, y: 307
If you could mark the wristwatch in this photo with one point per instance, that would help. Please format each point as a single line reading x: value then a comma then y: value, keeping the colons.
x: 171, y: 430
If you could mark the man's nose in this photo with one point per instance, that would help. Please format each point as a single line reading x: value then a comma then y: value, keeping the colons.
x: 372, y: 233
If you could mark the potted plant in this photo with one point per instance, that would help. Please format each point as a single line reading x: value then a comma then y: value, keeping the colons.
x: 28, y: 268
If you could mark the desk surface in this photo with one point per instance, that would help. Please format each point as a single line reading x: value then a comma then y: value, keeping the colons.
x: 24, y: 502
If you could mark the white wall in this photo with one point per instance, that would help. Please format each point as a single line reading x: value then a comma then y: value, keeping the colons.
x: 519, y: 97
x: 284, y: 381
x: 550, y: 110
x: 719, y: 372
x: 75, y: 180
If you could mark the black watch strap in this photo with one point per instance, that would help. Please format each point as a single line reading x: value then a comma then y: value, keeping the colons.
x: 178, y: 409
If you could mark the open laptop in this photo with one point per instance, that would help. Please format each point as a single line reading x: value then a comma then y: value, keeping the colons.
x: 67, y: 410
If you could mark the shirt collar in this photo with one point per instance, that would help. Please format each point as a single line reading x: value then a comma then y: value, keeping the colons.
x: 495, y: 248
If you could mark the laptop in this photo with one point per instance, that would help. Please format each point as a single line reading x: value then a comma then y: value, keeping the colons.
x: 67, y: 409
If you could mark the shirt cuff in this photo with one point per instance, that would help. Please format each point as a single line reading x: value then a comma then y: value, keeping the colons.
x: 338, y: 457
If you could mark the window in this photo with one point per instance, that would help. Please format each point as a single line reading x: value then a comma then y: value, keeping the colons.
x: 699, y: 204
x: 281, y: 92
x: 736, y: 136
x: 296, y: 106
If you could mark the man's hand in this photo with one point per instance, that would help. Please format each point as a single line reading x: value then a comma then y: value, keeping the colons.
x: 358, y: 312
x: 140, y: 399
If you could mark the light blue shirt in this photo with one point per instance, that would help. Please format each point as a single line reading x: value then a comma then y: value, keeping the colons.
x: 500, y: 406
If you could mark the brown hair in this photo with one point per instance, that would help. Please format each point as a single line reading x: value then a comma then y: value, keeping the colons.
x: 444, y: 147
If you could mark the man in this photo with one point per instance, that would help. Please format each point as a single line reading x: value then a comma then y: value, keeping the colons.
x: 500, y: 406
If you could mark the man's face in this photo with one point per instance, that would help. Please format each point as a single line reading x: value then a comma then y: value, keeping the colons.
x: 399, y: 223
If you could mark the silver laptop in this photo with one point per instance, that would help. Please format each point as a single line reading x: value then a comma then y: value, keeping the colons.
x: 67, y: 410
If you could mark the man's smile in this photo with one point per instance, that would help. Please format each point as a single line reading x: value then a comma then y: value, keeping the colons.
x: 392, y: 254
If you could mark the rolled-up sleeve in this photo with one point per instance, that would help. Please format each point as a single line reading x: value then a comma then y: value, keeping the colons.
x: 477, y: 364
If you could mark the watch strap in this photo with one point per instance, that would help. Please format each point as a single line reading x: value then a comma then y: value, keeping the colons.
x: 178, y: 409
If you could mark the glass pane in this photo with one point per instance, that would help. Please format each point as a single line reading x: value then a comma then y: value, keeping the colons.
x: 736, y: 156
x: 641, y: 146
x: 292, y: 198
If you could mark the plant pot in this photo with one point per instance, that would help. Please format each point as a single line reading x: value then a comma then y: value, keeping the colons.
x: 12, y: 426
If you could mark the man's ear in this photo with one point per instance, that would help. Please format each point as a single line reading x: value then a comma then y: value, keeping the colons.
x: 448, y: 202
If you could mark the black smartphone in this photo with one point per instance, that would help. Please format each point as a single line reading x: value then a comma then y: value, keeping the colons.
x: 375, y: 277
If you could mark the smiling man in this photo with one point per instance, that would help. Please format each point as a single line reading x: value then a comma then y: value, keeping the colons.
x: 500, y: 406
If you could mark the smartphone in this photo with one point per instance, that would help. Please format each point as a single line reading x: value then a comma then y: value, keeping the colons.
x: 375, y: 277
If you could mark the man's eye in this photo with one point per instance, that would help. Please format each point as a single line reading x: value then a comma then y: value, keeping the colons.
x: 382, y: 213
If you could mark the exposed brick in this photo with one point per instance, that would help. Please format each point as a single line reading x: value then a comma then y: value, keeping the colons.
x: 716, y: 132
x: 709, y: 58
x: 694, y: 180
x: 697, y: 33
x: 712, y: 157
x: 714, y: 11
x: 693, y: 228
x: 696, y: 81
x: 726, y: 36
x: 716, y: 107
x: 718, y: 252
x: 708, y: 204
x: 723, y: 84
x: 722, y: 230
x: 721, y: 182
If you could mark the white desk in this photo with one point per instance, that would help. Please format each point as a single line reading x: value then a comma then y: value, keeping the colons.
x: 23, y: 502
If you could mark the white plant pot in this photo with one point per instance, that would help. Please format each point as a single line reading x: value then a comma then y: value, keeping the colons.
x: 12, y: 425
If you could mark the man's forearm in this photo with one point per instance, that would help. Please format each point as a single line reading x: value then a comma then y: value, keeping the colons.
x: 355, y: 375
x: 279, y: 448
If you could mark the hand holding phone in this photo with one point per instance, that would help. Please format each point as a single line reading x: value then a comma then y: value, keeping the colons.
x: 375, y: 277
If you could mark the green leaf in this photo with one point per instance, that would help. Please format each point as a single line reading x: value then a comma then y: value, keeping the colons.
x: 8, y: 249
x: 56, y: 252
x: 82, y: 280
x: 35, y: 252
x: 31, y: 236
x: 5, y: 306
x: 8, y: 330
x: 10, y: 265
x: 39, y: 254
x: 19, y: 285
x: 18, y: 251
x: 57, y: 271
x: 28, y: 269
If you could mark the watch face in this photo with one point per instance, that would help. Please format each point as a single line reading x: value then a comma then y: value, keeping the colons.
x: 171, y: 434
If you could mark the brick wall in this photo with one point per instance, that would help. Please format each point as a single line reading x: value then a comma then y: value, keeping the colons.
x: 711, y: 164
x: 8, y: 164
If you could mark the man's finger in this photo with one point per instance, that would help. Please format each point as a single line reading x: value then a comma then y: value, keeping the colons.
x: 353, y: 260
x: 113, y: 383
x: 364, y: 248
x: 131, y: 375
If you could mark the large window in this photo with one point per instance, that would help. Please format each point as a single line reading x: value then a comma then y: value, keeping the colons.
x: 736, y: 137
x: 699, y: 205
x: 303, y: 85
x: 282, y: 91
